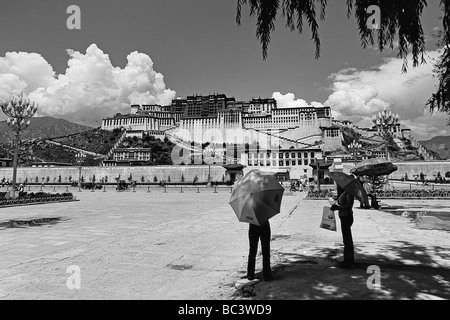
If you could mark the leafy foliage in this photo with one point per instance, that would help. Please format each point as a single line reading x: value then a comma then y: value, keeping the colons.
x: 400, y: 18
x: 440, y: 100
x: 161, y: 150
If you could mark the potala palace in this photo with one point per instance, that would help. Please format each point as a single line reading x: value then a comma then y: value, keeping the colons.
x: 276, y: 138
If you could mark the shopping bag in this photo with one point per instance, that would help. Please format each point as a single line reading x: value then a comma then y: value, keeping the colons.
x: 328, y: 219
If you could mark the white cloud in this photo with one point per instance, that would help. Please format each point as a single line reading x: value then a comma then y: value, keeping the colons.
x: 359, y: 94
x: 90, y: 89
x: 289, y: 101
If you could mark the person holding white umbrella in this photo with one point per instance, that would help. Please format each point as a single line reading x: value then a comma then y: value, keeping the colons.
x: 255, y: 199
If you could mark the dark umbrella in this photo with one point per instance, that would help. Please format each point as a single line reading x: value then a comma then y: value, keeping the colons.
x: 374, y: 167
x: 350, y: 184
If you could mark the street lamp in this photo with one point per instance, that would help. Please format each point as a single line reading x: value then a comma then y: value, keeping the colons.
x: 18, y: 110
x: 80, y: 159
x: 354, y: 147
x: 211, y: 155
x: 386, y: 122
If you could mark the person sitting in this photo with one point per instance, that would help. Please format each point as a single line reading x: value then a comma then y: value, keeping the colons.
x: 368, y: 188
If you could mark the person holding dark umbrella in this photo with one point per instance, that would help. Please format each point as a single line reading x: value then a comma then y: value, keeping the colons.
x: 345, y: 207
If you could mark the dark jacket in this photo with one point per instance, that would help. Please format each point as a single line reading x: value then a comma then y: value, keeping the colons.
x: 344, y: 205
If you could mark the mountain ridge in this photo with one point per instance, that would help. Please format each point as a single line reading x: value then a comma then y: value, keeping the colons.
x: 440, y: 145
x: 42, y: 128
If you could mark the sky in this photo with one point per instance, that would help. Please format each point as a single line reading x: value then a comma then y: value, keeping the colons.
x: 151, y: 51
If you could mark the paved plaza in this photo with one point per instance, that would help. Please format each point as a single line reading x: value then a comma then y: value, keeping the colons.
x: 190, y: 246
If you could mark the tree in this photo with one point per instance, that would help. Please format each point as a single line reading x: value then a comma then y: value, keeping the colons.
x: 440, y: 100
x: 155, y: 179
x: 399, y: 19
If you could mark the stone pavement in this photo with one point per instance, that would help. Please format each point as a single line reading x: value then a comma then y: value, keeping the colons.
x: 127, y: 245
x: 190, y: 246
x: 412, y: 263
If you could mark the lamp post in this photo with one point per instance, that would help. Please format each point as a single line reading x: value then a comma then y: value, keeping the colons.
x: 386, y: 122
x: 354, y: 147
x: 18, y: 110
x: 210, y: 154
x: 80, y: 159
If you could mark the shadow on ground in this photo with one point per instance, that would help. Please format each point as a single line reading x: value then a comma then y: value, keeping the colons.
x: 24, y: 223
x: 413, y: 274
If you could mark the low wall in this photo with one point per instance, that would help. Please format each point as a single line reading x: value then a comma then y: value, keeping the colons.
x: 148, y: 172
x: 189, y: 172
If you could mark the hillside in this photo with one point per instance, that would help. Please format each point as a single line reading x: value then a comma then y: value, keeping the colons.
x: 402, y: 150
x: 36, y: 141
x: 41, y: 151
x: 94, y: 140
x: 440, y: 145
x: 42, y: 128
